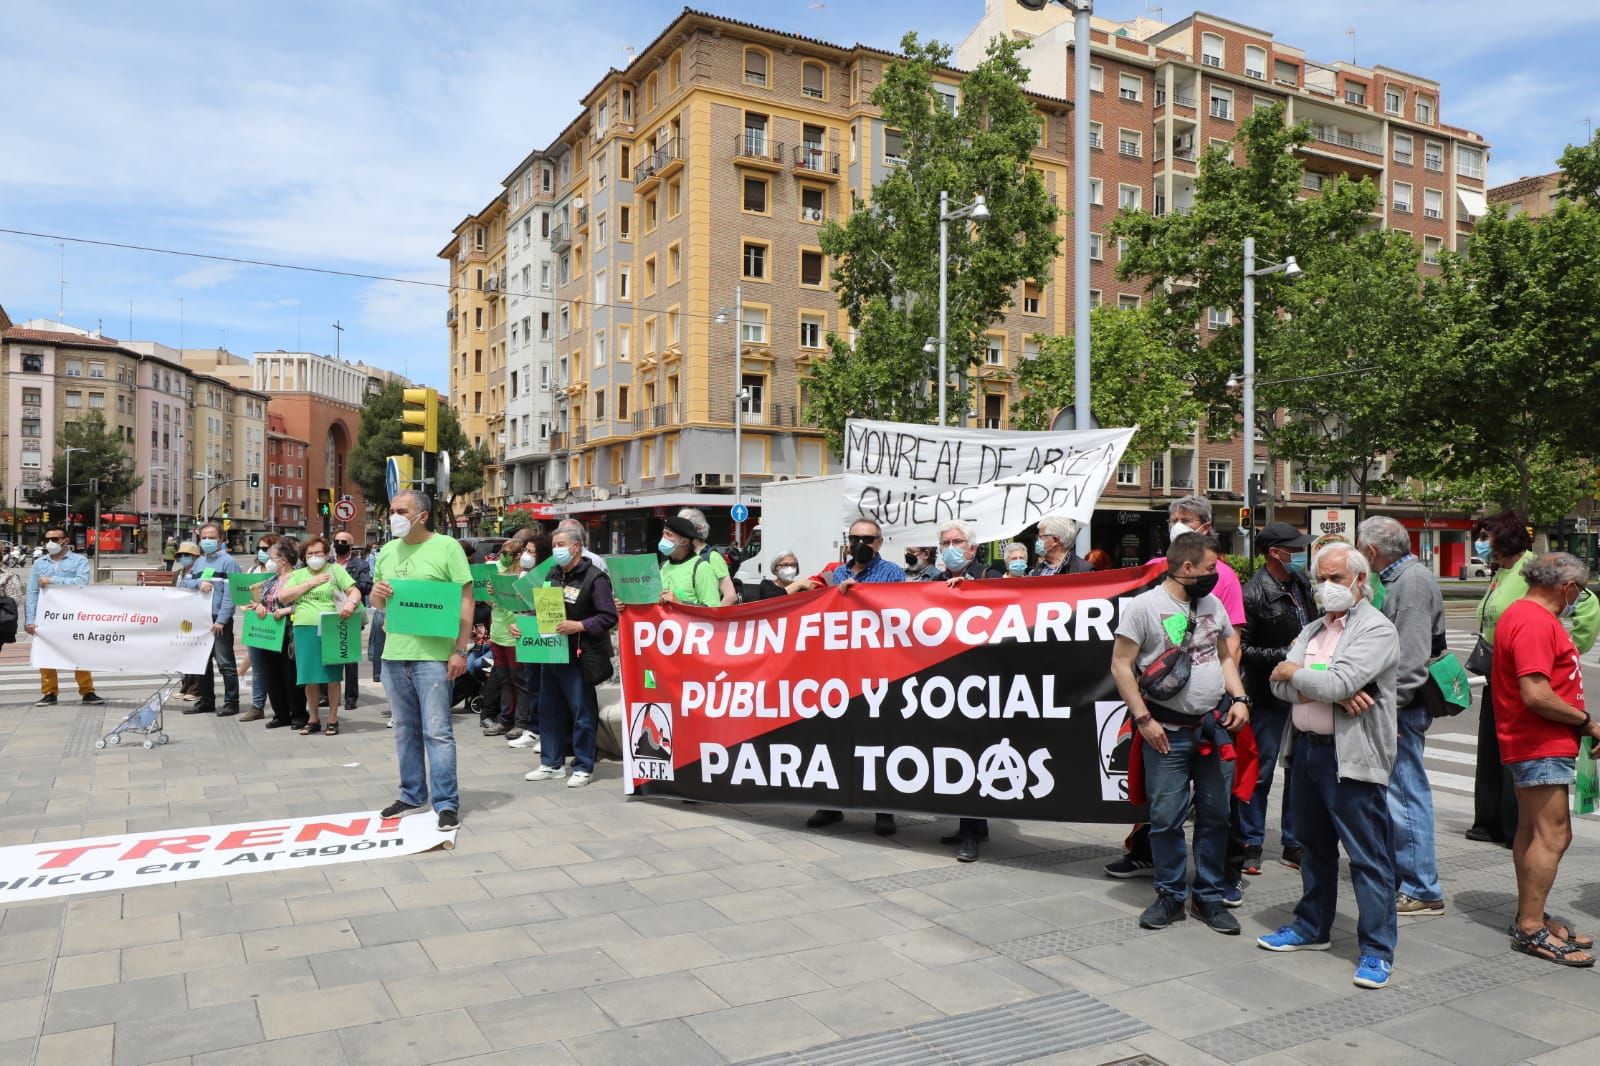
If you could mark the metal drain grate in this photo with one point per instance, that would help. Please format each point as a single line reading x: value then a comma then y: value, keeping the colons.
x: 1061, y: 1021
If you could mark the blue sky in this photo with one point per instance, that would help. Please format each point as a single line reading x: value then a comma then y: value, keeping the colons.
x: 353, y: 134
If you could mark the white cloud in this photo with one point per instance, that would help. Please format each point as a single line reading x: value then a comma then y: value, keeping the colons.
x: 204, y: 277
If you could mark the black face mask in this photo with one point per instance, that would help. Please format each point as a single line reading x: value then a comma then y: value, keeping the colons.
x: 911, y: 558
x: 341, y: 549
x: 861, y: 552
x: 1200, y: 588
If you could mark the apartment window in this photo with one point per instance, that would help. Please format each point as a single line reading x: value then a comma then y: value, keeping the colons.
x: 601, y: 296
x: 1402, y: 197
x: 1094, y: 298
x: 1355, y: 92
x: 97, y: 370
x: 600, y: 348
x: 1393, y: 101
x: 994, y: 351
x: 1127, y: 302
x: 1096, y: 246
x: 813, y: 80
x: 674, y: 263
x: 622, y: 414
x: 544, y: 325
x: 674, y: 333
x: 602, y: 232
x: 1219, y: 475
x: 754, y: 261
x: 811, y: 327
x: 31, y: 427
x: 894, y: 146
x: 624, y: 286
x: 1129, y: 197
x: 1431, y: 247
x: 753, y: 394
x: 1130, y: 87
x: 546, y: 183
x: 1096, y: 192
x: 650, y: 214
x: 1212, y: 50
x: 544, y: 379
x: 650, y: 276
x: 1130, y: 143
x: 949, y: 99
x: 544, y: 223
x: 756, y: 64
x: 811, y: 268
x: 1403, y: 149
x: 1469, y: 162
x: 1159, y: 204
x: 1127, y: 473
x: 1096, y: 135
x: 1255, y: 62
x: 1285, y: 73
x: 624, y: 343
x: 564, y: 268
x: 33, y: 398
x: 755, y: 134
x: 1030, y: 298
x: 74, y: 368
x: 627, y: 105
x: 1432, y: 203
x: 1097, y: 79
x: 675, y: 70
x: 649, y: 336
x: 1425, y: 110
x: 1432, y: 156
x: 753, y: 327
x: 600, y: 404
x: 1221, y: 103
x: 1217, y: 317
x: 674, y: 198
x: 755, y: 195
x: 813, y: 204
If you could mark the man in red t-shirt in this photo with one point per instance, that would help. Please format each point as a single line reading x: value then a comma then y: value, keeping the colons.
x: 1539, y: 719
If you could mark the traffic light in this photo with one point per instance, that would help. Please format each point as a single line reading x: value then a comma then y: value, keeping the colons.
x: 255, y: 481
x: 421, y: 419
x: 1246, y: 518
x: 324, y: 501
x: 46, y: 519
x: 224, y: 508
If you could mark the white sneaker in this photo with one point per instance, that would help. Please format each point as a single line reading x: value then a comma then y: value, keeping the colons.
x: 526, y: 740
x: 579, y: 779
x: 545, y: 773
x: 390, y: 723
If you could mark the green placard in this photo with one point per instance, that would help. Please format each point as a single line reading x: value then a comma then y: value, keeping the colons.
x: 635, y: 578
x: 239, y: 586
x: 482, y: 574
x: 341, y: 637
x: 550, y: 608
x: 506, y: 596
x: 542, y: 648
x: 208, y: 573
x: 263, y: 632
x: 424, y: 609
x: 533, y: 579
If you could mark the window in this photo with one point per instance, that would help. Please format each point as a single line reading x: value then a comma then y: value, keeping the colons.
x: 1130, y: 143
x: 949, y: 99
x: 1431, y: 247
x: 1221, y: 103
x: 813, y: 80
x: 753, y: 327
x: 1030, y: 298
x: 1469, y: 162
x: 756, y: 63
x: 754, y: 261
x: 894, y: 147
x: 97, y: 370
x: 1030, y: 347
x: 1127, y: 302
x: 1096, y: 135
x: 1159, y: 206
x: 622, y: 414
x: 674, y: 263
x: 1129, y: 197
x: 544, y: 325
x: 811, y: 268
x: 33, y: 398
x: 1097, y: 79
x: 602, y: 231
x: 624, y: 343
x: 650, y: 276
x: 1096, y: 192
x: 1355, y: 92
x: 624, y: 288
x: 1393, y: 101
x: 1255, y: 62
x: 1425, y: 110
x: 1211, y: 50
x: 1402, y: 197
x: 994, y: 351
x: 601, y: 296
x: 813, y: 204
x: 674, y: 198
x: 753, y: 394
x: 1432, y: 156
x: 1130, y: 87
x: 600, y: 404
x: 74, y: 399
x: 1217, y: 317
x: 1285, y: 73
x: 1127, y: 473
x: 1096, y: 246
x: 1219, y: 475
x: 755, y: 134
x: 1432, y: 203
x: 1403, y: 149
x: 811, y: 327
x: 600, y: 348
x: 755, y: 195
x: 31, y: 427
x: 75, y: 366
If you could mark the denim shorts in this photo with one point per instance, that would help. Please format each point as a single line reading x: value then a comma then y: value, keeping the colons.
x: 1531, y: 773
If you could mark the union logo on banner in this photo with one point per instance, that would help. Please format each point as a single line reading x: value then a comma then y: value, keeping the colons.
x: 650, y: 741
x: 1114, y: 731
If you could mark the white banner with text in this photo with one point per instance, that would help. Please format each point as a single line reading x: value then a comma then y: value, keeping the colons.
x: 122, y: 628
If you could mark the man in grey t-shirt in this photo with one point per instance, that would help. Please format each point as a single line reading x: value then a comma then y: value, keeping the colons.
x: 1149, y: 625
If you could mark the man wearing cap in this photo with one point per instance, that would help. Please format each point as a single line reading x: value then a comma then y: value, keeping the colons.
x: 1278, y: 603
x: 685, y: 576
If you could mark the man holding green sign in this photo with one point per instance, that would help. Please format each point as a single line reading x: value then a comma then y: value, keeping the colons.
x: 422, y: 582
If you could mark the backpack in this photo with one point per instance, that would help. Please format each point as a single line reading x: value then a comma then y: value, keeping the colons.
x: 8, y: 620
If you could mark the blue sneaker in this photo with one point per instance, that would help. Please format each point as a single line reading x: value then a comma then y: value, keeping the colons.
x: 1233, y: 895
x: 1372, y: 972
x: 1288, y: 939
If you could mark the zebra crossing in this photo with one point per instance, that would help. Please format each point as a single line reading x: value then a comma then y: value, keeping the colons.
x: 19, y: 684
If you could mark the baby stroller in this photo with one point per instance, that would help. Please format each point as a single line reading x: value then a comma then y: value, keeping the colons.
x: 466, y: 692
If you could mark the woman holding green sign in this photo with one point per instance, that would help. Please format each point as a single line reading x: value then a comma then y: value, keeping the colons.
x: 321, y: 588
x: 505, y: 697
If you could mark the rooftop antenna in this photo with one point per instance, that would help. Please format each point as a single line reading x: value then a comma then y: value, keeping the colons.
x: 338, y: 338
x: 61, y: 309
x: 1350, y: 32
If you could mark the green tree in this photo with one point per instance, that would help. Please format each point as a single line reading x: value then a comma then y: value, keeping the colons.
x: 379, y: 438
x: 1580, y: 172
x: 1138, y: 379
x: 887, y: 258
x: 105, y: 459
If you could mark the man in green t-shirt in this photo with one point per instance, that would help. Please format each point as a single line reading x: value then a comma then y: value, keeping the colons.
x: 685, y: 577
x: 419, y: 669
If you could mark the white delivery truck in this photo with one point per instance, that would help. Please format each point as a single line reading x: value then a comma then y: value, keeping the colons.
x: 800, y: 516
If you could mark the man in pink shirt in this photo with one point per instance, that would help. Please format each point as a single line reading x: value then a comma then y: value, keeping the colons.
x: 1191, y: 514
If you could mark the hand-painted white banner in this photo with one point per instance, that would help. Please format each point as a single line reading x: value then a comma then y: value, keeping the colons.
x: 114, y: 628
x: 130, y: 860
x: 912, y: 479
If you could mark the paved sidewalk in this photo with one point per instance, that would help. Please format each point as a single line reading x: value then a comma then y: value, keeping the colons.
x: 574, y: 926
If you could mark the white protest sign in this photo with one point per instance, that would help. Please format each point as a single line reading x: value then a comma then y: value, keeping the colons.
x: 912, y: 479
x: 121, y: 628
x: 130, y: 860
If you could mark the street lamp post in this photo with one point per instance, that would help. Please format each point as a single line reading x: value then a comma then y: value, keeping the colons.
x: 978, y: 211
x: 738, y: 402
x: 1291, y: 270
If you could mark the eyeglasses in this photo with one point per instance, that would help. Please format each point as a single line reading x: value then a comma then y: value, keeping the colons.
x: 958, y: 543
x: 860, y: 538
x: 54, y: 540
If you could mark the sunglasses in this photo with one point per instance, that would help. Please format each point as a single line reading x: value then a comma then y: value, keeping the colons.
x: 54, y: 540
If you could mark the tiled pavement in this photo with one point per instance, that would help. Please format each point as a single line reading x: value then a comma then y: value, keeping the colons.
x: 574, y: 926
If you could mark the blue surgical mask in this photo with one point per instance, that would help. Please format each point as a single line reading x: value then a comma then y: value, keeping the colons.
x: 208, y: 545
x: 1038, y: 546
x: 1017, y: 566
x: 185, y: 561
x: 953, y: 558
x: 1298, y: 563
x: 666, y: 547
x: 1481, y: 549
x: 563, y: 555
x: 261, y: 555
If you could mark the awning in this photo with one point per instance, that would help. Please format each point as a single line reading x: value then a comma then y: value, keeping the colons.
x: 1473, y: 202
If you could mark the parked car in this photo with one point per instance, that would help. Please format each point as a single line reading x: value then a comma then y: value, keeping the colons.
x: 1473, y: 568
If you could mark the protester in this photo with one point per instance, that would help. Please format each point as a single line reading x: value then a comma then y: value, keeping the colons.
x: 917, y: 561
x: 1340, y: 677
x: 359, y: 567
x: 59, y: 567
x: 785, y: 573
x: 261, y: 564
x: 275, y: 667
x: 1415, y: 606
x: 184, y: 557
x: 10, y: 589
x: 421, y: 669
x: 209, y: 574
x: 1278, y: 603
x: 320, y: 588
x: 1504, y: 540
x: 702, y: 532
x: 1177, y: 758
x: 575, y: 526
x: 525, y: 732
x: 568, y: 706
x: 1100, y: 560
x: 1056, y: 547
x: 505, y: 697
x: 1014, y: 556
x: 958, y: 556
x: 170, y: 552
x: 1540, y: 718
x: 685, y: 576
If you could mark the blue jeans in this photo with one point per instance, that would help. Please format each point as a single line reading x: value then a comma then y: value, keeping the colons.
x: 1167, y: 780
x: 419, y: 699
x: 1330, y: 812
x: 1416, y: 862
x: 567, y: 712
x: 1268, y: 725
x: 375, y: 645
x: 258, y: 678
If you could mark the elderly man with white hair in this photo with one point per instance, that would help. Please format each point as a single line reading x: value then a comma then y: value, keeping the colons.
x: 1340, y: 678
x: 958, y: 554
x: 572, y: 525
x: 1416, y: 607
x: 1055, y: 548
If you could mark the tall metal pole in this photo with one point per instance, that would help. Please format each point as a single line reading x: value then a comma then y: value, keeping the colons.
x: 66, y: 508
x: 1083, y: 11
x: 1249, y: 377
x: 738, y: 407
x: 944, y: 296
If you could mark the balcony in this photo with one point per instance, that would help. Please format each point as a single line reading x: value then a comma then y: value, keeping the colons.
x: 655, y: 416
x: 583, y: 220
x: 664, y: 162
x: 561, y: 237
x: 757, y: 150
x: 810, y: 161
x: 772, y: 414
x: 558, y: 442
x: 1334, y: 135
x: 580, y: 435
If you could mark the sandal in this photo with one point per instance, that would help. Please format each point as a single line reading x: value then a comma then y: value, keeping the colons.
x: 1567, y: 933
x: 309, y: 728
x: 331, y: 730
x: 1539, y: 946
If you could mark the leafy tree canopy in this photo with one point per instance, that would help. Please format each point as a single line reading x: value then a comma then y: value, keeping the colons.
x: 105, y: 459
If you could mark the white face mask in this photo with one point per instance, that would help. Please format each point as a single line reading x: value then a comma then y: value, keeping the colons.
x: 316, y: 562
x: 787, y: 573
x: 1178, y: 529
x: 528, y: 561
x: 53, y: 547
x: 1336, y: 597
x: 399, y: 526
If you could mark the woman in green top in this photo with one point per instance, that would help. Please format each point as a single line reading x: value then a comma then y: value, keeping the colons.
x: 321, y: 588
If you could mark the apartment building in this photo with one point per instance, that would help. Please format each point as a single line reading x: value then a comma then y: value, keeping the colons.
x: 529, y: 292
x: 1534, y: 197
x: 287, y: 459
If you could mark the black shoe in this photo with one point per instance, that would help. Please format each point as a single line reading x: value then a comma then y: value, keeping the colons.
x: 277, y: 723
x: 1129, y: 867
x: 1291, y: 858
x: 399, y: 807
x: 323, y: 702
x: 1162, y: 913
x: 883, y: 825
x: 91, y: 697
x: 822, y: 818
x: 448, y: 820
x: 1217, y: 916
x: 495, y: 730
x: 349, y: 705
x: 47, y: 701
x: 1252, y: 859
x: 227, y: 712
x: 968, y: 851
x: 1484, y: 836
x: 956, y: 837
x: 196, y: 708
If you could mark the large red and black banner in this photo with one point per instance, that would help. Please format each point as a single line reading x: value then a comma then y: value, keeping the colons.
x: 991, y: 699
